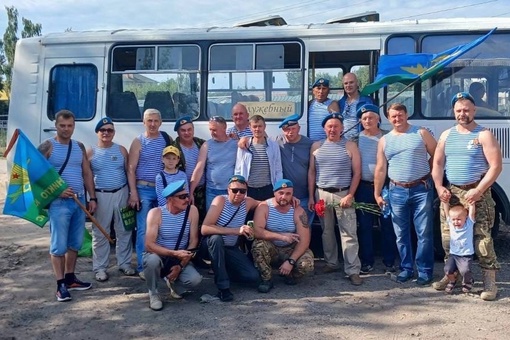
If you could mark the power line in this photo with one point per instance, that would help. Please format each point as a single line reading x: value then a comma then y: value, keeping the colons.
x: 444, y: 10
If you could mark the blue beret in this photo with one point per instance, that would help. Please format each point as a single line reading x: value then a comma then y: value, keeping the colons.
x: 333, y: 115
x: 282, y: 183
x: 289, y: 121
x: 102, y: 122
x: 173, y: 188
x: 367, y: 108
x: 321, y: 82
x: 464, y: 95
x: 237, y: 178
x: 181, y: 121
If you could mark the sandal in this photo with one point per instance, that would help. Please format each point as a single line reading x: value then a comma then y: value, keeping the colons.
x: 449, y: 287
x: 128, y: 271
x: 466, y: 287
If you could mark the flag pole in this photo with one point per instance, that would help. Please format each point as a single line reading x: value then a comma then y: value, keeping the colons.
x: 92, y: 218
x: 13, y: 140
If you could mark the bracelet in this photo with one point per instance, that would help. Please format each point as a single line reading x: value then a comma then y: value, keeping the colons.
x: 180, y: 265
x: 93, y: 199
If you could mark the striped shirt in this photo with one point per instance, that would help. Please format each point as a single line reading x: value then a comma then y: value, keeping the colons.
x: 278, y: 222
x: 170, y: 229
x: 221, y: 161
x: 260, y: 174
x: 191, y: 157
x: 72, y: 174
x: 351, y: 119
x: 407, y: 155
x: 149, y: 162
x: 316, y: 113
x: 368, y: 150
x: 465, y: 161
x: 333, y: 165
x: 170, y: 178
x: 244, y: 133
x: 237, y: 221
x: 108, y: 167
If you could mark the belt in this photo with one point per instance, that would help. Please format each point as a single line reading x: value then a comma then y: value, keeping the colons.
x: 333, y: 190
x: 367, y: 182
x: 149, y: 184
x: 110, y: 191
x: 412, y: 183
x: 467, y: 186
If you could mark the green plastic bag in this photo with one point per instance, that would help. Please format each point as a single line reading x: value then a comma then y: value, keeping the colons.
x: 86, y: 246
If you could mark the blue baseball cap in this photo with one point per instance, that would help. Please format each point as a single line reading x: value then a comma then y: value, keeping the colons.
x: 462, y: 95
x: 367, y: 108
x: 181, y: 121
x: 321, y: 82
x: 335, y: 115
x: 104, y: 121
x: 289, y: 121
x: 282, y: 184
x: 173, y: 188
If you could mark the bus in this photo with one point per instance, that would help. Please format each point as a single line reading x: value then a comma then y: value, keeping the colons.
x: 203, y: 72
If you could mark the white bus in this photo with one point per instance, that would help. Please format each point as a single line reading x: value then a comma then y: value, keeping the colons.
x: 202, y: 72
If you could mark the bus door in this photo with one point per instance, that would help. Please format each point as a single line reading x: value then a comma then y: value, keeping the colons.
x: 332, y: 58
x: 75, y: 84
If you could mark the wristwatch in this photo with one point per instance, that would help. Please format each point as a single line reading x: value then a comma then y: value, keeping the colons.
x: 292, y: 262
x: 93, y: 199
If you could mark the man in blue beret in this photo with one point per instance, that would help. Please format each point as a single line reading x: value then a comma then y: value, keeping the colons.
x: 319, y: 108
x: 282, y: 236
x: 109, y: 167
x: 351, y: 100
x: 472, y: 158
x: 172, y: 235
x: 333, y: 176
x: 368, y: 115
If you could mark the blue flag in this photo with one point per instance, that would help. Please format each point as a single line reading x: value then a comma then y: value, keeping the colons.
x: 410, y: 67
x: 33, y: 183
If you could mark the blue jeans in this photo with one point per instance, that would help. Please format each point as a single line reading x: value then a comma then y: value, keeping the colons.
x: 149, y: 200
x: 210, y: 194
x: 67, y: 224
x: 230, y: 263
x: 414, y: 206
x: 310, y: 214
x: 365, y: 194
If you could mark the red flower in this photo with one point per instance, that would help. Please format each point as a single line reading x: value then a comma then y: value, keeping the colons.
x: 320, y: 208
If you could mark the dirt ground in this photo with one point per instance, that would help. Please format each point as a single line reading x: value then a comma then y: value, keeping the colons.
x: 324, y: 306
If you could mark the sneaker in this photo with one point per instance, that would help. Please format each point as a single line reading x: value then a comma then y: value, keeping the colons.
x: 101, y: 276
x: 450, y: 286
x: 289, y: 280
x: 63, y: 294
x: 141, y: 275
x: 423, y: 281
x: 390, y: 270
x: 155, y: 302
x: 225, y: 295
x: 128, y: 271
x: 404, y: 276
x: 366, y: 269
x: 265, y: 286
x: 355, y: 280
x: 173, y: 292
x: 78, y: 285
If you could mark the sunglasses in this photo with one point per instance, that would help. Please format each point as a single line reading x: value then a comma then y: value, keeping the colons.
x: 107, y: 130
x: 183, y: 196
x: 235, y: 191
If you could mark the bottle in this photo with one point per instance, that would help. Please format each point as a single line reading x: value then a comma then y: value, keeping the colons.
x: 386, y: 209
x: 251, y: 225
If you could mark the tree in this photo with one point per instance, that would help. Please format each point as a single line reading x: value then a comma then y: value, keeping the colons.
x: 9, y: 44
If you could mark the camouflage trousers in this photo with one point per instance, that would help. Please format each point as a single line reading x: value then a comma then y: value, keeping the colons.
x: 266, y: 254
x: 484, y: 220
x: 199, y: 198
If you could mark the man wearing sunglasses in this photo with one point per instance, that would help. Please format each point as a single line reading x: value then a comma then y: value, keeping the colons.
x: 172, y: 231
x: 109, y: 167
x: 223, y: 224
x: 282, y: 237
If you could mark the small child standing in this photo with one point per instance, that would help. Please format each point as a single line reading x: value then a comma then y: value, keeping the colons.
x: 171, y: 172
x: 460, y: 221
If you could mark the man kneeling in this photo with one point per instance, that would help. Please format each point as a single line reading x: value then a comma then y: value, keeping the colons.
x: 171, y: 230
x: 282, y: 238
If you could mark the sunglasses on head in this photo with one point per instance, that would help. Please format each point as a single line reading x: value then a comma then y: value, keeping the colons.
x: 109, y: 130
x: 236, y: 190
x: 182, y: 197
x: 218, y: 119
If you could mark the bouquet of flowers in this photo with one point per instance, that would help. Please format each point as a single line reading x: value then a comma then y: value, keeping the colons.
x: 320, y: 207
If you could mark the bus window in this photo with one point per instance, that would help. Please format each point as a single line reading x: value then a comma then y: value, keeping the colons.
x: 164, y: 77
x: 74, y: 88
x: 266, y: 77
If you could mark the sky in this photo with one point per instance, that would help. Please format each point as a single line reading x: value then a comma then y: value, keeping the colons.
x: 81, y: 15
